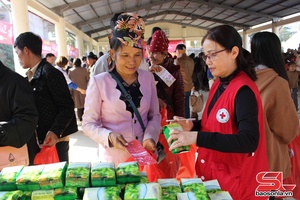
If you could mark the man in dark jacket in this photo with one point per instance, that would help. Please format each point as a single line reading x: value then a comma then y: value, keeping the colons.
x: 18, y: 113
x: 52, y: 97
x: 186, y: 68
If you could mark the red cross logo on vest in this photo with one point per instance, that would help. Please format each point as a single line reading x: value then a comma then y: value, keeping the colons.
x: 222, y: 115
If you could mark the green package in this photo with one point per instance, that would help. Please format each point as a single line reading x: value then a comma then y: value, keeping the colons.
x: 128, y: 172
x: 144, y: 177
x: 8, y: 177
x: 65, y: 193
x: 28, y: 179
x: 53, y: 176
x: 141, y: 191
x: 220, y: 196
x: 170, y: 188
x: 196, y: 186
x: 186, y: 196
x: 27, y: 195
x: 212, y: 186
x: 103, y: 193
x: 166, y: 131
x: 42, y: 195
x: 12, y: 195
x: 78, y: 175
x: 103, y: 174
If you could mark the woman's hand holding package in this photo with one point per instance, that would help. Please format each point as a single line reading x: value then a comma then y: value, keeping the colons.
x: 182, y: 138
x: 149, y: 144
x: 155, y: 68
x: 186, y: 125
x: 117, y: 140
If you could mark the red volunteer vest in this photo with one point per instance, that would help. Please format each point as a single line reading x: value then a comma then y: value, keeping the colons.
x: 236, y: 172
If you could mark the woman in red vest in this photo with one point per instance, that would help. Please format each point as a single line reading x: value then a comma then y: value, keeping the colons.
x: 230, y: 136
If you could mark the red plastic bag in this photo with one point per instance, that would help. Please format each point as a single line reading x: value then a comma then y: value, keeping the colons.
x: 164, y: 116
x: 169, y: 166
x: 151, y: 170
x: 187, y: 164
x: 295, y: 160
x: 47, y: 155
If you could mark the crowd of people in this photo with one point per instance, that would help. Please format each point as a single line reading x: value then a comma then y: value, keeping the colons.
x: 248, y: 121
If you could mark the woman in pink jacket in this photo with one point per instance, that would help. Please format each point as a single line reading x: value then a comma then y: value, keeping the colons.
x: 109, y: 118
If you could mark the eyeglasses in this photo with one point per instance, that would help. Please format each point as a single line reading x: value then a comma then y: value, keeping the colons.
x: 212, y: 56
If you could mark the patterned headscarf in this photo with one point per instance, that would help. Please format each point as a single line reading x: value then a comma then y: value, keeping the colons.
x: 159, y: 42
x: 130, y: 30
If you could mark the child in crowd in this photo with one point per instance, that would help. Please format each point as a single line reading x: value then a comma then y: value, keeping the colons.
x: 293, y: 75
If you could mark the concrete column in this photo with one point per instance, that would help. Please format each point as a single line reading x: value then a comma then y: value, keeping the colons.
x: 275, y: 27
x: 20, y: 23
x: 60, y: 33
x: 245, y: 40
x: 90, y: 46
x: 79, y: 42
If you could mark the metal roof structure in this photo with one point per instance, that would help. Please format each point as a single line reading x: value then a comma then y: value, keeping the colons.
x: 93, y: 16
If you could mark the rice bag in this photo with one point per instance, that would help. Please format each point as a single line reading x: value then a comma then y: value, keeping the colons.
x: 28, y: 179
x: 186, y: 196
x: 128, y: 172
x: 53, y: 176
x: 42, y: 194
x: 220, y: 196
x: 170, y: 188
x: 196, y: 186
x: 103, y: 174
x: 103, y: 193
x: 138, y: 191
x: 8, y: 177
x: 212, y: 186
x: 65, y: 193
x: 12, y: 195
x: 166, y: 131
x: 78, y: 175
x: 27, y: 195
x: 144, y: 177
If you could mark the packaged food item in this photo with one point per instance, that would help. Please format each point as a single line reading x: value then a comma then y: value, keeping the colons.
x: 128, y: 172
x: 42, y: 194
x: 53, y: 176
x: 170, y: 188
x: 186, y: 196
x: 196, y: 186
x: 12, y: 195
x: 8, y: 177
x: 166, y: 131
x: 65, y: 193
x: 144, y: 177
x: 138, y: 191
x: 27, y: 195
x: 28, y: 179
x: 220, y: 196
x: 103, y: 193
x: 103, y: 174
x: 78, y: 175
x: 212, y: 186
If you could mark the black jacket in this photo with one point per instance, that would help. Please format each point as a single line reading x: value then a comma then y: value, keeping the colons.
x: 17, y: 108
x: 54, y: 102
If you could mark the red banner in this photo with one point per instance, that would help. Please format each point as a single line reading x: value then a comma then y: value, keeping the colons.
x: 49, y: 47
x: 72, y: 51
x: 173, y: 44
x: 6, y: 33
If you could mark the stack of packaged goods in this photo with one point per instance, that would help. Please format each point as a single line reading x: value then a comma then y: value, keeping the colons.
x: 86, y: 181
x: 60, y: 181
